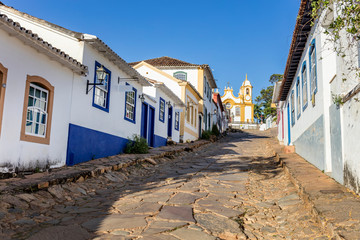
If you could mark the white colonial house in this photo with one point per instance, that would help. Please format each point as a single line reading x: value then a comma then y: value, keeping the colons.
x: 35, y: 99
x: 160, y: 114
x: 88, y: 96
x: 199, y: 76
x: 183, y: 90
x: 318, y: 110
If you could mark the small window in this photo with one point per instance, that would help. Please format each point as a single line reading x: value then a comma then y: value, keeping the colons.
x: 304, y: 86
x: 162, y: 110
x: 37, y: 111
x: 313, y: 76
x: 177, y: 120
x: 292, y: 108
x: 298, y: 98
x: 237, y: 111
x: 130, y: 105
x: 247, y: 91
x: 102, y: 92
x: 180, y: 75
x: 228, y: 105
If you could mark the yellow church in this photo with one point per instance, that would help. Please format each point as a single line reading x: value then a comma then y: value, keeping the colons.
x: 240, y: 108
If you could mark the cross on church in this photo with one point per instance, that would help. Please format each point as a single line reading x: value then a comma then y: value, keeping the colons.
x: 228, y: 83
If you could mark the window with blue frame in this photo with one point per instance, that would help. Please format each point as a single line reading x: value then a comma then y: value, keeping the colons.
x: 304, y: 86
x: 130, y: 105
x: 177, y: 120
x: 312, y: 65
x: 102, y: 91
x: 292, y: 108
x: 298, y: 98
x: 162, y: 110
x: 180, y: 75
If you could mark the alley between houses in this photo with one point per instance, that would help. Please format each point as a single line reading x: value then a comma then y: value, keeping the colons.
x: 230, y: 189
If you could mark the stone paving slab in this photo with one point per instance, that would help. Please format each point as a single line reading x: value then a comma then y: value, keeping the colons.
x: 335, y: 206
x: 93, y: 168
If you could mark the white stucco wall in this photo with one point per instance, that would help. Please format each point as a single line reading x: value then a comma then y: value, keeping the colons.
x: 150, y: 73
x: 111, y: 122
x: 22, y: 60
x: 192, y: 74
x: 161, y: 128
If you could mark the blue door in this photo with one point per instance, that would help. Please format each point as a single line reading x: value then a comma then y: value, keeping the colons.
x: 289, y: 122
x: 151, y: 126
x: 144, y: 120
x: 170, y: 122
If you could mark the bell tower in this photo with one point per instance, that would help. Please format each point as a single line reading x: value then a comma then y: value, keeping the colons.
x: 246, y: 90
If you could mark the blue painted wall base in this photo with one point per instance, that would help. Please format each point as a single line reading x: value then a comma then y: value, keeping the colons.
x: 159, y: 141
x: 85, y: 144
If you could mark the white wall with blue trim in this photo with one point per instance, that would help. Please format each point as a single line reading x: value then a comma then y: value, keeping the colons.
x: 95, y: 132
x: 309, y: 126
x: 161, y: 127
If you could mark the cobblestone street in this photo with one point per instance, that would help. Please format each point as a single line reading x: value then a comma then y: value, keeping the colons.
x: 230, y: 189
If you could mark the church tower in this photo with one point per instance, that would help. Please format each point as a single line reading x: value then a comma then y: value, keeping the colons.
x: 246, y: 91
x: 241, y: 108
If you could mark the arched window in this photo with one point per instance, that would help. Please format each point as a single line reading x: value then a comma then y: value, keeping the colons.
x: 180, y: 75
x: 228, y: 105
x: 3, y: 74
x: 247, y: 91
x: 37, y: 111
x: 237, y: 111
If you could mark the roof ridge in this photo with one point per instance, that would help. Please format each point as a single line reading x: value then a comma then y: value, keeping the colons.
x: 35, y: 37
x: 43, y: 21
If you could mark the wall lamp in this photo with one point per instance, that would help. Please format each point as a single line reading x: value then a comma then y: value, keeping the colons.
x: 142, y: 97
x: 100, y: 78
x: 214, y: 112
x: 168, y: 103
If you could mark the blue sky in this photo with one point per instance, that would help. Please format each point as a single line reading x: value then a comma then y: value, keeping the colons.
x: 234, y: 37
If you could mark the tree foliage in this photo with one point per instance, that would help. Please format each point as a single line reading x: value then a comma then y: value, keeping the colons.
x: 343, y: 22
x: 262, y: 108
x: 275, y: 78
x: 347, y: 17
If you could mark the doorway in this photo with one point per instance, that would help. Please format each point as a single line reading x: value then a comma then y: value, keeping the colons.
x: 170, y: 122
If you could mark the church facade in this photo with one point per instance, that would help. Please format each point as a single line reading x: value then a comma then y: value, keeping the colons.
x: 241, y: 107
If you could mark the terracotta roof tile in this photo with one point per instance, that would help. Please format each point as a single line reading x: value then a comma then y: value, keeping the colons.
x: 41, y: 44
x: 166, y: 62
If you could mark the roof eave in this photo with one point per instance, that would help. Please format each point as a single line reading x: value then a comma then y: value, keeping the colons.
x: 105, y: 50
x: 32, y: 40
x: 171, y: 94
x: 299, y: 39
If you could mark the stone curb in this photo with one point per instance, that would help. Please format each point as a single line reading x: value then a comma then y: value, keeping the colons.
x: 323, y: 207
x: 90, y: 169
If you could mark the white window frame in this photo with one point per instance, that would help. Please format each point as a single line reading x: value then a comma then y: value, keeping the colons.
x: 313, y: 70
x: 130, y: 95
x: 102, y: 92
x: 304, y: 86
x: 162, y: 110
x: 37, y: 110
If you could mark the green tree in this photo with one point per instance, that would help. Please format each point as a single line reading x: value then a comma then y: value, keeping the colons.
x: 275, y: 78
x: 257, y: 112
x: 263, y: 107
